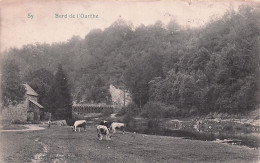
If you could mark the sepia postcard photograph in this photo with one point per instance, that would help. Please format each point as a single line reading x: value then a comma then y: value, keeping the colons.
x: 136, y: 81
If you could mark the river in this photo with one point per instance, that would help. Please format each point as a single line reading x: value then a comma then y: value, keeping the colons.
x: 208, y: 133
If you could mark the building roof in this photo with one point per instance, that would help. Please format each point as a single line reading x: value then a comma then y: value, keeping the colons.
x: 30, y: 91
x: 37, y: 104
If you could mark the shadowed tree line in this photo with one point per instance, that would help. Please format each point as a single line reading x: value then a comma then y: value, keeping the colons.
x: 178, y: 71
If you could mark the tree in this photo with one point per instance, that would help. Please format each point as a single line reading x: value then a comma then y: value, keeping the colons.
x: 98, y: 92
x: 60, y: 98
x: 12, y: 89
x: 218, y: 70
x: 41, y: 81
x: 139, y: 73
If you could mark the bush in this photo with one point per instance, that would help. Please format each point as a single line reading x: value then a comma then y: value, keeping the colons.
x: 128, y: 113
x: 171, y: 111
x: 130, y: 109
x: 160, y: 110
x: 228, y: 127
x: 122, y: 112
x: 107, y: 112
x: 153, y: 123
x: 152, y: 110
x: 35, y: 122
x: 17, y: 121
x: 131, y: 125
x: 70, y: 121
x: 77, y: 116
x: 127, y: 118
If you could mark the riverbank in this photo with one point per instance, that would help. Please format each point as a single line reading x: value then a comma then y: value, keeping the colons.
x: 228, y: 130
x: 61, y: 144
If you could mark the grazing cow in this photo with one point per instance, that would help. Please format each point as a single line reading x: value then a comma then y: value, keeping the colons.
x: 78, y: 124
x: 116, y: 125
x: 103, y: 131
x: 105, y: 123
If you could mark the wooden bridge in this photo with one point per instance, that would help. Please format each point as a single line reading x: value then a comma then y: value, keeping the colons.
x: 91, y: 108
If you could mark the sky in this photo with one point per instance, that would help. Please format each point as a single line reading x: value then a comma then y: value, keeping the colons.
x: 19, y: 28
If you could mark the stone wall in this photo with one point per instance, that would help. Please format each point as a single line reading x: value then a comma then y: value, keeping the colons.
x: 14, y: 113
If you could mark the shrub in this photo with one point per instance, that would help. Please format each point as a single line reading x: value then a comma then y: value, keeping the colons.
x: 70, y: 121
x: 132, y: 109
x: 159, y: 110
x: 121, y: 112
x: 129, y: 112
x: 131, y: 125
x: 153, y: 123
x: 127, y: 118
x: 228, y: 127
x: 107, y: 112
x: 77, y: 116
x: 152, y: 110
x: 35, y: 122
x: 171, y: 111
x: 17, y: 121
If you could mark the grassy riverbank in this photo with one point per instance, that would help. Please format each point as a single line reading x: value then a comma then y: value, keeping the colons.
x: 61, y: 144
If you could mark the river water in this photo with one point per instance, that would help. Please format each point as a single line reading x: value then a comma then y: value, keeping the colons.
x: 251, y: 140
x: 248, y: 140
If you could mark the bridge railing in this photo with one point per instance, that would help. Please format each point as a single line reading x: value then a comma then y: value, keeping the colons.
x: 91, y: 108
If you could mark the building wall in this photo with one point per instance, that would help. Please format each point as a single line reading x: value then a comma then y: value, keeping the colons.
x: 23, y: 112
x: 30, y: 116
x: 37, y: 112
x: 14, y: 113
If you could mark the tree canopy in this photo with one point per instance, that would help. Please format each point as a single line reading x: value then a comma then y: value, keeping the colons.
x: 12, y: 90
x: 41, y: 81
x: 214, y: 68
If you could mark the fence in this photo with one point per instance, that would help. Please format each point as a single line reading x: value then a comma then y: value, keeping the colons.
x: 90, y: 108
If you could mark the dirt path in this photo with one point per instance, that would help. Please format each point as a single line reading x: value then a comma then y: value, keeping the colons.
x: 39, y: 156
x: 28, y: 128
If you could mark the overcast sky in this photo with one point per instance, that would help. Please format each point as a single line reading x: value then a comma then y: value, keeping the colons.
x: 17, y: 29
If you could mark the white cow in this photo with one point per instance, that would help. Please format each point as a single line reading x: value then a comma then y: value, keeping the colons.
x: 78, y: 124
x: 116, y: 125
x: 103, y: 131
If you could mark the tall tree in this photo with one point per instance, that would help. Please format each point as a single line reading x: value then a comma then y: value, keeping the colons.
x: 40, y: 80
x: 60, y: 97
x: 11, y: 86
x: 139, y: 73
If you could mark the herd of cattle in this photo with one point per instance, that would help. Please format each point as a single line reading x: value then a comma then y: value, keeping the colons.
x: 103, y: 129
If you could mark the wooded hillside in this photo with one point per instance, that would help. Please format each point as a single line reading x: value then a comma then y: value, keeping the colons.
x: 214, y: 68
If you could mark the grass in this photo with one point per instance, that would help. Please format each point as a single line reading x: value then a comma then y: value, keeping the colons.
x: 66, y: 146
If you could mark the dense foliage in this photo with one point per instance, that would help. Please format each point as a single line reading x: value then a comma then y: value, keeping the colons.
x: 60, y: 97
x: 12, y: 89
x: 41, y: 81
x: 219, y: 70
x: 214, y: 68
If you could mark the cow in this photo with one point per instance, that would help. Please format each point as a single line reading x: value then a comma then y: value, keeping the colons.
x: 49, y: 124
x: 78, y: 124
x: 105, y: 123
x: 117, y: 125
x: 103, y: 131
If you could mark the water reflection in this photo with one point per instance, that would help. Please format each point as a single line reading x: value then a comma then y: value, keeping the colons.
x: 232, y: 138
